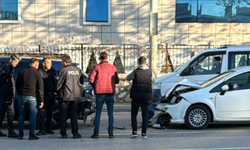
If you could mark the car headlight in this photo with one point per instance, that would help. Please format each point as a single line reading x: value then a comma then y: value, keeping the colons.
x: 157, y: 85
x: 162, y: 107
x: 176, y: 100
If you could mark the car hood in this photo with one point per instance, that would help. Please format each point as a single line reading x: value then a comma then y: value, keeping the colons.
x: 184, y: 84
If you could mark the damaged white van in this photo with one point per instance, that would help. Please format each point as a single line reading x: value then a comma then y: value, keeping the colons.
x: 204, y: 65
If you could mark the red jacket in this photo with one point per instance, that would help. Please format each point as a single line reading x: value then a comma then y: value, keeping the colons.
x: 103, y: 78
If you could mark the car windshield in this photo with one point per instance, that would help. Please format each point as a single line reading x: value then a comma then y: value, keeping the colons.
x: 216, y: 78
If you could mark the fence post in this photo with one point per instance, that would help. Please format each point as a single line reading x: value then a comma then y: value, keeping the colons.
x: 82, y: 56
x: 39, y: 49
x: 124, y: 58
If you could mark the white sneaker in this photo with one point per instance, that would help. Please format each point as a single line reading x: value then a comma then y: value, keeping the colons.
x: 133, y: 135
x: 144, y: 136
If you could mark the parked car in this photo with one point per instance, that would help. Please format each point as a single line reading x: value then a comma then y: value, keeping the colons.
x: 219, y: 99
x: 200, y: 68
x: 85, y: 106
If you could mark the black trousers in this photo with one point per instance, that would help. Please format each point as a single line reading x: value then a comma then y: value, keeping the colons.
x: 68, y: 108
x: 135, y: 105
x: 9, y: 108
x: 44, y: 116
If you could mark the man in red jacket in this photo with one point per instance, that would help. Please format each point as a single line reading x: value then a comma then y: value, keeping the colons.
x: 103, y: 79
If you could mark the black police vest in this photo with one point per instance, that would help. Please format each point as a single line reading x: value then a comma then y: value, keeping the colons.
x: 142, y: 85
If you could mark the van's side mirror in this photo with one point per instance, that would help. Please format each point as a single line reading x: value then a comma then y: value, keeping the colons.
x: 186, y: 72
x: 224, y: 88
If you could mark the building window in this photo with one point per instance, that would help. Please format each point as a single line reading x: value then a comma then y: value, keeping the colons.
x: 96, y: 12
x: 10, y: 11
x: 212, y: 11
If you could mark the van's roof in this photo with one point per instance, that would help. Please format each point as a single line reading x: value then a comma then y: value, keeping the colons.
x: 231, y: 48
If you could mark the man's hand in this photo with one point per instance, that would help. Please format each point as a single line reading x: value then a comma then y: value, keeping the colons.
x: 41, y: 105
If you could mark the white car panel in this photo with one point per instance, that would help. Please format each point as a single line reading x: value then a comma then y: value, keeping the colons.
x: 180, y: 107
x: 233, y: 105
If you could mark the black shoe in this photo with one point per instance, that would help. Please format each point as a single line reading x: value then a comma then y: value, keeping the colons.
x: 64, y: 136
x: 33, y: 137
x: 12, y: 134
x: 95, y: 135
x: 77, y: 136
x: 111, y: 135
x: 2, y: 134
x: 50, y: 132
x: 41, y: 132
x: 20, y: 136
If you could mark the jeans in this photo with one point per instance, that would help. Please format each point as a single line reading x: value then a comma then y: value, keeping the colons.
x: 27, y: 103
x: 135, y: 104
x: 68, y: 108
x: 110, y: 107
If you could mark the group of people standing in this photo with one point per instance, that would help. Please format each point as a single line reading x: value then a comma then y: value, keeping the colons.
x: 36, y: 87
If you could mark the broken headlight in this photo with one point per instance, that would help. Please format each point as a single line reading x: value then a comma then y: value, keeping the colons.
x: 175, y: 100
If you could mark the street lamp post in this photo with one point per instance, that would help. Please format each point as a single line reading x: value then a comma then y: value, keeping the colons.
x: 153, y: 35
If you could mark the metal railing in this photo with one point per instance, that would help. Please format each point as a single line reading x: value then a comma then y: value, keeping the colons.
x: 124, y: 57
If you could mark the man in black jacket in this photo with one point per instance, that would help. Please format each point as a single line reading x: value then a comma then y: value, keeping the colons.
x: 30, y: 90
x: 141, y: 95
x: 48, y: 74
x: 70, y: 87
x: 7, y: 83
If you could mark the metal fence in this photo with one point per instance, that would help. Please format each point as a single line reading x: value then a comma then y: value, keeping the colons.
x: 124, y: 57
x: 180, y: 54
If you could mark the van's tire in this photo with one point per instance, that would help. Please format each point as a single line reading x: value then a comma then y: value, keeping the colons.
x: 55, y: 123
x: 197, y: 117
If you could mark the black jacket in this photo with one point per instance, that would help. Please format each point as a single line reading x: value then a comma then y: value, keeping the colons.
x: 70, y: 83
x: 7, y: 81
x: 49, y: 80
x: 142, y: 85
x: 30, y: 83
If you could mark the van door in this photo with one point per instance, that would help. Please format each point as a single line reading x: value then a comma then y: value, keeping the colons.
x: 204, y: 67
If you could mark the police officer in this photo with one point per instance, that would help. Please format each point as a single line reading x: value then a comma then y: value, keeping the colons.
x: 48, y: 74
x: 70, y: 87
x: 8, y: 90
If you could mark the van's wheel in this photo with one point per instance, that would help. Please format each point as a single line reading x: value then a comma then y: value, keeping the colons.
x: 197, y: 117
x: 55, y: 123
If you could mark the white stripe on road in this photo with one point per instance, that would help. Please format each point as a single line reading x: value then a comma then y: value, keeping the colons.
x: 236, y: 148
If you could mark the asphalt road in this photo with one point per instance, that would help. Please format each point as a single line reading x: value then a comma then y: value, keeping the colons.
x: 233, y: 136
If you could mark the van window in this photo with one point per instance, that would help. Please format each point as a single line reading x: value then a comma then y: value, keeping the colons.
x: 207, y: 64
x: 238, y: 59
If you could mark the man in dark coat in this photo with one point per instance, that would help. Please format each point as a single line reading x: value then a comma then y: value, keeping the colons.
x: 48, y: 74
x: 141, y: 95
x: 30, y: 90
x: 7, y: 83
x: 70, y: 87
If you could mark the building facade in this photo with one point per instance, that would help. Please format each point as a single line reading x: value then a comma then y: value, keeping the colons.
x: 124, y: 21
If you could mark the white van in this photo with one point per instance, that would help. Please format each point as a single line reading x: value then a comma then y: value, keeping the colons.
x: 202, y: 67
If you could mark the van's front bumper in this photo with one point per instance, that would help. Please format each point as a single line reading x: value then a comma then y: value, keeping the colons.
x: 156, y: 97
